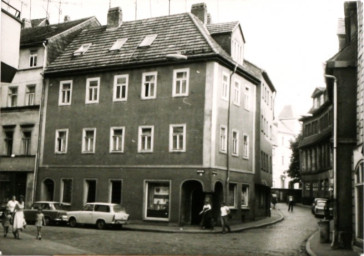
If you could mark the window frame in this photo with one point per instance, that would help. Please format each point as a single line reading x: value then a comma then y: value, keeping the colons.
x: 223, y: 142
x: 56, y: 141
x: 246, y: 148
x: 83, y: 151
x: 146, y: 196
x: 13, y: 97
x: 82, y: 49
x: 33, y: 58
x: 244, y: 206
x: 247, y: 103
x: 225, y: 86
x: 118, y: 44
x: 235, y: 153
x: 88, y: 81
x: 234, y: 206
x: 28, y: 94
x: 112, y: 129
x: 126, y: 85
x: 61, y: 195
x: 236, y: 92
x: 148, y: 40
x: 171, y: 135
x: 61, y: 90
x: 140, y: 129
x: 175, y: 80
x: 144, y: 75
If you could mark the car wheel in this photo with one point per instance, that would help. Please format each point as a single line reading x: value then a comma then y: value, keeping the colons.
x: 100, y: 224
x: 73, y: 222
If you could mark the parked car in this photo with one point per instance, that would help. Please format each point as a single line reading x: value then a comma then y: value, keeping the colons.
x: 315, y: 202
x: 320, y: 205
x: 99, y: 214
x: 53, y: 211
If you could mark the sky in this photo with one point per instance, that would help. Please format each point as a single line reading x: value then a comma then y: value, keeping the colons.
x: 290, y: 39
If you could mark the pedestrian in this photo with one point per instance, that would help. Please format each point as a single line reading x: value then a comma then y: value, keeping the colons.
x: 206, y: 221
x: 19, y: 221
x: 39, y: 222
x: 274, y: 201
x: 11, y: 205
x: 225, y: 211
x: 6, y: 217
x: 290, y: 203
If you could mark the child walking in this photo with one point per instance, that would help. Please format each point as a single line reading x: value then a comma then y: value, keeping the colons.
x: 39, y: 222
x: 6, y: 221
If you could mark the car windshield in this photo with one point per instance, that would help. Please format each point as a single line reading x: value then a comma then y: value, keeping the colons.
x: 60, y: 206
x: 118, y: 208
x: 321, y: 203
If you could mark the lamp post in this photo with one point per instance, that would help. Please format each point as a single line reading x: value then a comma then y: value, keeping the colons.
x: 335, y: 231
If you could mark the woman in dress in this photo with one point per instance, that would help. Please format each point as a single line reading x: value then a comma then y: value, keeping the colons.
x: 19, y: 221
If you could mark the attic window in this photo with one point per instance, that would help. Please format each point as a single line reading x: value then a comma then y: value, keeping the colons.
x: 148, y: 40
x: 118, y: 44
x: 82, y: 49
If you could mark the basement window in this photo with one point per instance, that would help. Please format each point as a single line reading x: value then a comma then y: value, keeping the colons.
x: 148, y: 40
x: 82, y: 49
x: 118, y: 44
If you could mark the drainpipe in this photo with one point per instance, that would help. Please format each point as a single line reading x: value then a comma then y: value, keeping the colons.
x: 334, y: 243
x: 228, y: 136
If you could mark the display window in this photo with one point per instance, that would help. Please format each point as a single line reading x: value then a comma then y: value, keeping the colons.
x: 157, y: 200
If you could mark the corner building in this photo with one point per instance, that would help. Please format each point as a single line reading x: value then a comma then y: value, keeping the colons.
x: 154, y: 114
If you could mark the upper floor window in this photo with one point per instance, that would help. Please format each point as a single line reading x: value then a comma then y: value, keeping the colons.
x: 121, y: 87
x: 88, y: 140
x: 83, y: 48
x: 92, y: 90
x: 149, y: 85
x: 65, y: 93
x: 117, y: 139
x: 235, y: 143
x: 246, y: 146
x: 145, y: 142
x: 177, y: 138
x: 180, y: 82
x: 33, y: 58
x: 237, y: 51
x: 30, y: 95
x: 118, y: 44
x: 247, y: 98
x: 223, y: 139
x: 236, y: 93
x: 225, y: 87
x: 148, y: 40
x: 13, y: 97
x: 61, y: 141
x: 9, y: 137
x: 27, y: 134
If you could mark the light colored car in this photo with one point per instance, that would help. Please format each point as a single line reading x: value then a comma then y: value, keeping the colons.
x: 319, y: 209
x: 99, y: 214
x: 53, y: 211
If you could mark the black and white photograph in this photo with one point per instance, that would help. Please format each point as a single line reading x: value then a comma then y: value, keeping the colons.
x: 182, y: 127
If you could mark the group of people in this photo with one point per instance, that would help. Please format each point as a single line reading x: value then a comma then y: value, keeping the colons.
x: 207, y: 220
x: 14, y: 216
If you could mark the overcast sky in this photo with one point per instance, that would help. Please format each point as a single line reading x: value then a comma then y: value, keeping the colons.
x: 290, y: 39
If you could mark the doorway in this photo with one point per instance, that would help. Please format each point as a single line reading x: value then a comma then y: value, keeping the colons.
x: 192, y: 202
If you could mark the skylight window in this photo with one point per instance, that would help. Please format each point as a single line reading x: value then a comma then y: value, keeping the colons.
x: 82, y: 49
x: 148, y: 40
x: 118, y: 44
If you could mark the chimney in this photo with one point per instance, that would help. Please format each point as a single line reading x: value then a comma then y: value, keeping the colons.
x: 341, y: 33
x: 67, y: 18
x: 209, y: 18
x: 26, y: 23
x: 114, y: 17
x: 200, y: 10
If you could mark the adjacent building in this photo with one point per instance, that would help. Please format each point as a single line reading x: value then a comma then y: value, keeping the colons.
x: 159, y: 115
x: 20, y: 101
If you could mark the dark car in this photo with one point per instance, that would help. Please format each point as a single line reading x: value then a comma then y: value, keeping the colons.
x: 53, y: 211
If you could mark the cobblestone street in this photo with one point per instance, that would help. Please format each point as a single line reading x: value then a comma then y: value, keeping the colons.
x: 284, y: 238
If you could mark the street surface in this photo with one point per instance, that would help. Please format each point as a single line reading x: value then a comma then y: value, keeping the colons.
x: 284, y: 238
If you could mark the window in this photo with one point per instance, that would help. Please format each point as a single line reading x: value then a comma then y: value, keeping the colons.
x: 223, y: 139
x: 92, y: 90
x: 89, y: 191
x: 244, y: 196
x: 115, y: 191
x: 180, y: 82
x: 121, y: 87
x: 245, y: 146
x: 148, y: 40
x: 66, y: 190
x: 231, y: 201
x: 102, y: 208
x: 88, y: 141
x: 13, y: 97
x: 83, y: 48
x: 359, y: 199
x: 117, y: 139
x: 33, y: 58
x: 149, y: 85
x: 157, y: 196
x: 9, y: 136
x: 235, y: 143
x: 26, y: 142
x: 236, y: 93
x: 61, y: 141
x: 225, y: 87
x: 177, y: 138
x: 118, y: 44
x: 65, y: 93
x: 145, y: 142
x: 30, y: 95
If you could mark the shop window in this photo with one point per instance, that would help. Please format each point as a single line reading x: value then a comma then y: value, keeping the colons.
x: 157, y: 200
x: 66, y: 190
x: 231, y: 202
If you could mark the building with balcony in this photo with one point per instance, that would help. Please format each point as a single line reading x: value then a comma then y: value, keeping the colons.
x: 157, y: 114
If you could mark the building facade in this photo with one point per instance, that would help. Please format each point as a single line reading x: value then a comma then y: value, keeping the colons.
x: 21, y: 100
x: 165, y: 119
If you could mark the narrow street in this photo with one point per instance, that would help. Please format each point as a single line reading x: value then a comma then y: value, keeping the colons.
x: 285, y: 238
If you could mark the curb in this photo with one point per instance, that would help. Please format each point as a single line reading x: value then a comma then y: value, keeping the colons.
x: 308, y: 244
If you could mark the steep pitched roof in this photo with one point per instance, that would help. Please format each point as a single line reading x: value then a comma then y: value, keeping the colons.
x: 258, y: 72
x: 36, y: 35
x: 317, y: 91
x: 219, y: 28
x: 286, y: 113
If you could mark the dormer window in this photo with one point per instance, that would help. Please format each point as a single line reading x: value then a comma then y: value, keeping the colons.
x: 148, y: 40
x: 237, y: 51
x: 82, y: 49
x: 118, y: 44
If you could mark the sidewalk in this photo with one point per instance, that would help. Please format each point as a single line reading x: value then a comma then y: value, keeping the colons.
x: 276, y: 216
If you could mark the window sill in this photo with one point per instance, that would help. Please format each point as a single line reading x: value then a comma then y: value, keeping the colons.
x: 60, y: 153
x: 145, y: 152
x: 88, y: 153
x: 116, y: 152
